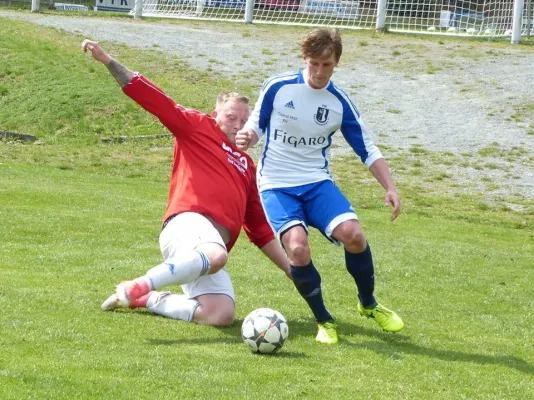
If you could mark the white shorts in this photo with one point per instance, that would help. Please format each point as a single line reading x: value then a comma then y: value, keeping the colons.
x: 187, y: 231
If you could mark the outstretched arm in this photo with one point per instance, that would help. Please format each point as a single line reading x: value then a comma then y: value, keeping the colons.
x: 121, y: 74
x: 277, y: 256
x: 145, y: 93
x: 380, y: 171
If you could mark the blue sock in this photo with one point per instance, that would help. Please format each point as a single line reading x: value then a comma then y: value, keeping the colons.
x: 360, y: 266
x: 308, y: 282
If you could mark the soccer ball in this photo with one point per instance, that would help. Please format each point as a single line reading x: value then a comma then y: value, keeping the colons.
x: 264, y: 331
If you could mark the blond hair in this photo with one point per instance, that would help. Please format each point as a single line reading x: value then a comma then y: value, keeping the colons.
x: 224, y: 97
x: 320, y: 39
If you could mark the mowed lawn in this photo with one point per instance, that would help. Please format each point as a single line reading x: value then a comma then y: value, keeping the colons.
x: 69, y: 236
x: 78, y: 216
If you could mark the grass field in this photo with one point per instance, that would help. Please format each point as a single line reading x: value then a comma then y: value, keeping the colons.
x: 78, y: 215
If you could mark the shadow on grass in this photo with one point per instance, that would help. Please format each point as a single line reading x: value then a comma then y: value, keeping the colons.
x: 229, y: 340
x: 389, y: 344
x: 232, y: 336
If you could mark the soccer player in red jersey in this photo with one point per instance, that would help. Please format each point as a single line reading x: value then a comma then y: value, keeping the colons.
x: 213, y: 193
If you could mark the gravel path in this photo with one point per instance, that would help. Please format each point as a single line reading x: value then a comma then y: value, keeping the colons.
x: 444, y: 95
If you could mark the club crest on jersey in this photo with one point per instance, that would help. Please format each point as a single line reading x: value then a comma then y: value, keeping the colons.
x: 321, y: 117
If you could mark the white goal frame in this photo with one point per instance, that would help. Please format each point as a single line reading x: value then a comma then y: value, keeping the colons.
x: 489, y: 18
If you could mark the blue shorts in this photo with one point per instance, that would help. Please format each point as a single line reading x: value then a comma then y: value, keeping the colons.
x: 319, y: 204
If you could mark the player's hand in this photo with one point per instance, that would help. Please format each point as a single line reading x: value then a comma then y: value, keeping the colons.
x: 243, y: 138
x: 96, y: 51
x: 392, y: 197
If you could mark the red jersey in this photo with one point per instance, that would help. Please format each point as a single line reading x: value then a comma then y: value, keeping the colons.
x: 210, y: 176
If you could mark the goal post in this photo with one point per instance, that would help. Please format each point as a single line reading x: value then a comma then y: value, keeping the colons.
x: 249, y: 11
x: 517, y: 22
x: 488, y: 18
x: 381, y: 10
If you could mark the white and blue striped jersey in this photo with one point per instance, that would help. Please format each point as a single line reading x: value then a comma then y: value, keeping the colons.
x: 298, y: 123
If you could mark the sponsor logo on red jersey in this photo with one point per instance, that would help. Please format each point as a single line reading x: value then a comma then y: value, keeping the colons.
x: 236, y: 158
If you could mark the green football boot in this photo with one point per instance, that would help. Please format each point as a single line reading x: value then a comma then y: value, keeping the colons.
x: 327, y: 333
x: 387, y: 319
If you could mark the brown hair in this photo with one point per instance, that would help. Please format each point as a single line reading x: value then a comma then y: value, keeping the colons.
x: 321, y: 39
x: 224, y: 97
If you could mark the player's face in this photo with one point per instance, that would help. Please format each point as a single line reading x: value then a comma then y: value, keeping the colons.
x: 231, y: 117
x: 320, y: 69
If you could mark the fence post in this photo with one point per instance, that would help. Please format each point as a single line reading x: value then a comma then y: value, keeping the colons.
x: 381, y: 14
x: 138, y: 9
x: 249, y: 10
x: 35, y: 5
x: 518, y: 21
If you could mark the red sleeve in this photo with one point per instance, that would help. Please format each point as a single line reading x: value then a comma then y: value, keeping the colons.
x: 176, y: 118
x: 256, y: 226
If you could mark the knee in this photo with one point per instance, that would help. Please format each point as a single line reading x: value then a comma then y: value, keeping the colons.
x: 217, y: 255
x: 299, y: 253
x: 295, y: 243
x: 221, y: 317
x: 352, y: 237
x: 218, y: 312
x: 219, y: 259
x: 355, y: 243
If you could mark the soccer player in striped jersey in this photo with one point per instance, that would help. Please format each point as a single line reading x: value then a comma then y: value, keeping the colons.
x: 297, y: 113
x: 213, y: 193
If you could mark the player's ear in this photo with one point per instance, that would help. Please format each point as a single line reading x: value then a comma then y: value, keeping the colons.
x: 214, y: 113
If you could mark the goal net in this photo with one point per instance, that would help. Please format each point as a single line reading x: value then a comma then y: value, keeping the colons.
x: 449, y: 17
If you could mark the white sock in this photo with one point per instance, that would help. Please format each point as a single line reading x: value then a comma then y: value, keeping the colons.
x: 175, y: 306
x: 185, y: 267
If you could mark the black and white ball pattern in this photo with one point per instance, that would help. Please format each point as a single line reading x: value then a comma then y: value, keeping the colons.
x: 264, y: 331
